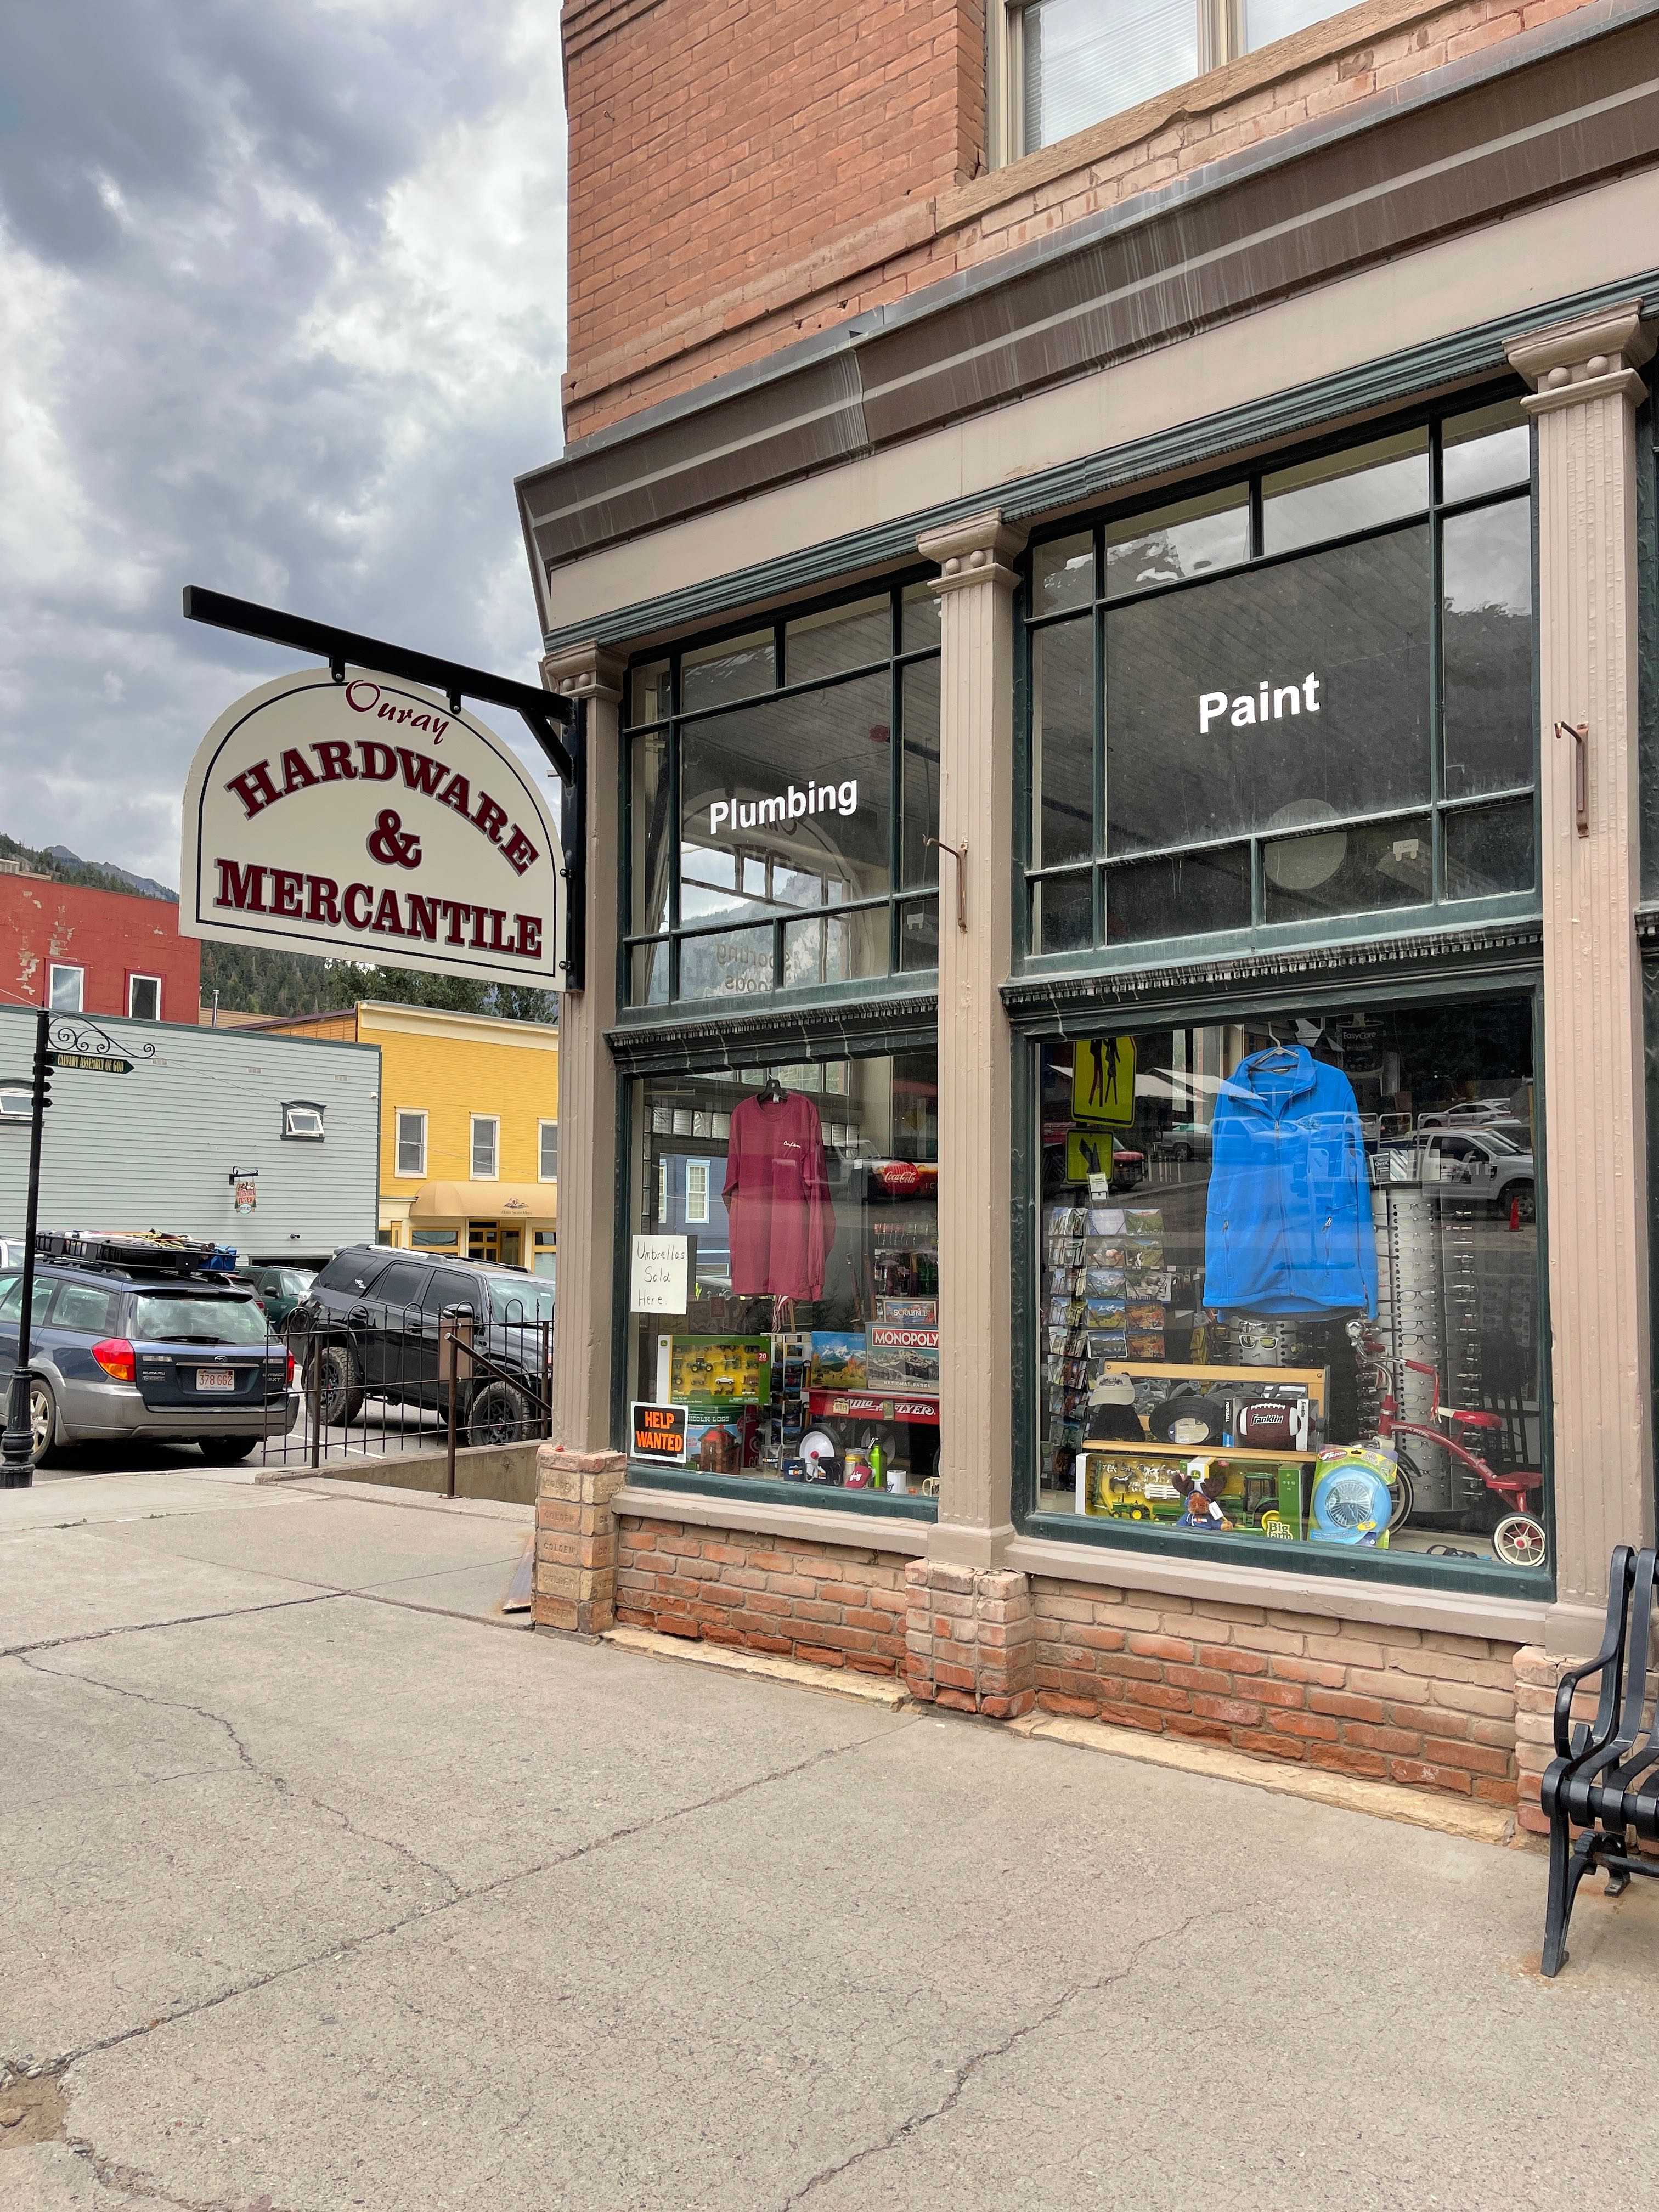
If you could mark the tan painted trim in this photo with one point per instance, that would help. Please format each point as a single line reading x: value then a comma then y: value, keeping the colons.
x: 857, y: 1532
x: 588, y: 1160
x: 586, y: 670
x: 976, y: 1047
x: 1535, y: 257
x: 1589, y: 872
x: 1505, y: 1620
x: 1384, y: 1800
x: 456, y: 1028
x: 763, y: 1666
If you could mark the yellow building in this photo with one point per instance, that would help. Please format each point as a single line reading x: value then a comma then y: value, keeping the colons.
x: 468, y: 1128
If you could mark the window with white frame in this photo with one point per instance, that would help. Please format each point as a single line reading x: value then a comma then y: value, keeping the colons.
x: 67, y: 989
x: 548, y: 1151
x: 1068, y: 64
x: 144, y: 998
x: 697, y: 1191
x: 303, y: 1118
x: 486, y: 1146
x: 412, y: 1142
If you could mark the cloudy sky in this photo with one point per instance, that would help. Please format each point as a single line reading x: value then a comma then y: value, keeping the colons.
x: 281, y: 289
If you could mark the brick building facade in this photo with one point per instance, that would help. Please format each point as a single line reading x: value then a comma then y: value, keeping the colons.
x: 95, y: 952
x: 998, y: 472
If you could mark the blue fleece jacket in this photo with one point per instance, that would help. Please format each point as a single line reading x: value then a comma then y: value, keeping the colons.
x: 1289, y: 1224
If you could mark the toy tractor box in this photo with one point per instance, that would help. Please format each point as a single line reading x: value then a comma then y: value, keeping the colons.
x: 713, y: 1372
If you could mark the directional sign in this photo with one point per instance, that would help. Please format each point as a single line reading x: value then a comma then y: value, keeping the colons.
x: 95, y: 1063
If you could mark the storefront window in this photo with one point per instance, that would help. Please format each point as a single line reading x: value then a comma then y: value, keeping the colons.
x: 784, y: 1275
x: 1287, y: 1298
x: 782, y: 788
x: 1304, y: 696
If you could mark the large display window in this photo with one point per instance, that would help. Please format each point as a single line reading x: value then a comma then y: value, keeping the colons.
x: 1286, y: 1305
x: 783, y: 1277
x: 782, y: 794
x: 1302, y: 695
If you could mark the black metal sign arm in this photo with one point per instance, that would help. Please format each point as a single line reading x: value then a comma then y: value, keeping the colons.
x: 556, y: 724
x: 544, y: 713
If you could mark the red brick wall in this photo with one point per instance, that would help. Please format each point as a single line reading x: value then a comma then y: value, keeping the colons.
x: 1416, y: 1707
x: 713, y: 139
x: 742, y: 176
x: 108, y: 934
x: 837, y: 1605
x: 1409, y: 1705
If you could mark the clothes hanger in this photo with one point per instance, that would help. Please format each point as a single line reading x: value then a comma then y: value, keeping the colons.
x: 772, y: 1092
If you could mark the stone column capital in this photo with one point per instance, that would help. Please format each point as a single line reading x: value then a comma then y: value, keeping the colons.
x: 584, y: 671
x: 976, y: 551
x: 1571, y: 364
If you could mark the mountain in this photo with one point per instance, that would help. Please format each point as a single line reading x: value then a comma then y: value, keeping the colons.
x: 146, y: 886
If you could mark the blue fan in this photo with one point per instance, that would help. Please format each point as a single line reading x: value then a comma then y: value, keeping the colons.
x: 1351, y: 1504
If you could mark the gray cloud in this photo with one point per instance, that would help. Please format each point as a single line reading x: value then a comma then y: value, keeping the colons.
x: 281, y: 311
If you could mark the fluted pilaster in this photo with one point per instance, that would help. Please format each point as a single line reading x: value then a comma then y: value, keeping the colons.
x: 588, y: 1165
x: 1586, y: 387
x: 975, y: 1058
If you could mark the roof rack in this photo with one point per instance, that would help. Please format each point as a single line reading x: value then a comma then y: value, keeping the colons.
x: 146, y: 1251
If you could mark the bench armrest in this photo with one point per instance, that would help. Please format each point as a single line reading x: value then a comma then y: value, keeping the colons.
x: 1607, y: 1662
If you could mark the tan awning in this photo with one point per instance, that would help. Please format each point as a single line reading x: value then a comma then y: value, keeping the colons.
x: 486, y: 1201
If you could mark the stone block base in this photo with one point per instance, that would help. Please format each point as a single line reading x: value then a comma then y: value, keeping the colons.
x: 575, y: 1578
x: 969, y: 1638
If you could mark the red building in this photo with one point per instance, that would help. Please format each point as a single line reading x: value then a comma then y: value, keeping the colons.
x: 95, y: 953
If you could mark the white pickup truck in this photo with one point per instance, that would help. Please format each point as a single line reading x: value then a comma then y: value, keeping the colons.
x: 1478, y: 1157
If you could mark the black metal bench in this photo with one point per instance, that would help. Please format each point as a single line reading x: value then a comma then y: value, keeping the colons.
x: 1604, y: 1779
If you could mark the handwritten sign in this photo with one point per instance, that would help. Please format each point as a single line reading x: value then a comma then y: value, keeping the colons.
x: 659, y: 1272
x: 657, y: 1432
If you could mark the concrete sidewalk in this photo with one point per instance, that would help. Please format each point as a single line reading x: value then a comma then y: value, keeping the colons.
x: 327, y: 1888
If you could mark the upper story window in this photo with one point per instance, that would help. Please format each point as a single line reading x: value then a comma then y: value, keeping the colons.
x: 144, y: 998
x: 66, y: 990
x: 783, y: 786
x: 1072, y: 62
x: 303, y: 1118
x: 486, y: 1147
x: 548, y: 1152
x: 1302, y: 695
x: 411, y: 1144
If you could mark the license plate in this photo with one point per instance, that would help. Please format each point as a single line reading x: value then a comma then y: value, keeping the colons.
x: 215, y: 1378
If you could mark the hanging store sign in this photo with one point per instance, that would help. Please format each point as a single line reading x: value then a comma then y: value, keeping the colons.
x: 366, y: 820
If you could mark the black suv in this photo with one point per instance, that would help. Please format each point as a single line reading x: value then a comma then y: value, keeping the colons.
x: 369, y: 1324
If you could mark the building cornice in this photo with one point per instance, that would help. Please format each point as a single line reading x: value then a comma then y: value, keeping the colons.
x: 1518, y: 947
x: 1525, y: 119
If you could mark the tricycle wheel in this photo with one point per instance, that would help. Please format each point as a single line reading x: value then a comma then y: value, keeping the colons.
x: 1519, y: 1540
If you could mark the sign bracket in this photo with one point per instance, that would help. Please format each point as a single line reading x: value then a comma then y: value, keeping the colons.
x: 556, y: 723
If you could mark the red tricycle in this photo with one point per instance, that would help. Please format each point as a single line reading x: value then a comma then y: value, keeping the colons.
x: 1518, y: 1539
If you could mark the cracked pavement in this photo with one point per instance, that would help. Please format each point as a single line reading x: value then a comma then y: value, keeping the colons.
x: 325, y: 1888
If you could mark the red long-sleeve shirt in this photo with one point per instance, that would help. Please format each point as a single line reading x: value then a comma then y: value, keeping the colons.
x: 777, y: 1198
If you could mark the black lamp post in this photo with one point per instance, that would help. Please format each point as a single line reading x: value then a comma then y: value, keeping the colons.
x: 17, y: 1444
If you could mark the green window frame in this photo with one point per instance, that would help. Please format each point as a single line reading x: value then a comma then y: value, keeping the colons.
x: 1385, y: 986
x: 663, y: 944
x: 1066, y: 914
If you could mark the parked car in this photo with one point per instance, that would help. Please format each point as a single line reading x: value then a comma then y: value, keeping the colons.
x: 117, y: 1355
x: 1184, y: 1140
x: 369, y: 1327
x: 278, y: 1289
